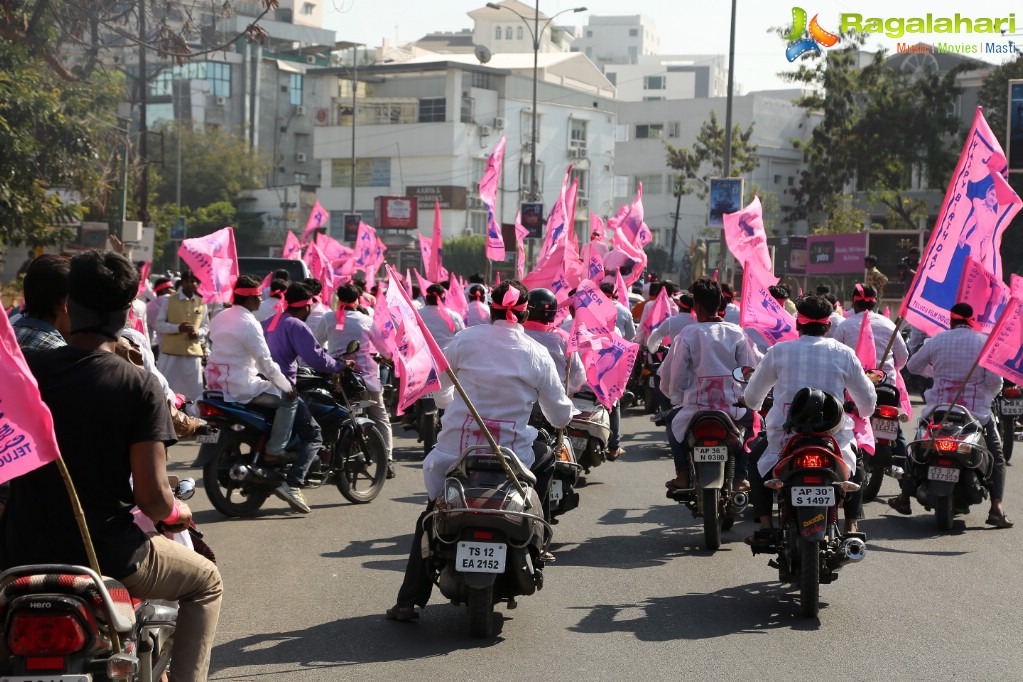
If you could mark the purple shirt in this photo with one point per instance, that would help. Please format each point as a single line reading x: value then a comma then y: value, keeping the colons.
x: 292, y: 340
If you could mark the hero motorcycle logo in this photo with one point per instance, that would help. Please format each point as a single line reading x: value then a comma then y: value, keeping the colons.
x: 799, y: 44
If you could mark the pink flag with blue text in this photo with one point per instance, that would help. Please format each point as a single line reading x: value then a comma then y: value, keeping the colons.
x: 27, y: 438
x: 292, y: 247
x: 609, y: 367
x: 488, y: 195
x: 621, y: 288
x: 365, y: 247
x: 979, y: 205
x: 594, y: 313
x: 621, y: 242
x: 1003, y: 352
x: 318, y: 217
x: 332, y: 248
x: 320, y: 268
x: 630, y: 220
x: 214, y: 260
x: 747, y: 239
x: 985, y: 293
x: 762, y: 312
x: 557, y: 223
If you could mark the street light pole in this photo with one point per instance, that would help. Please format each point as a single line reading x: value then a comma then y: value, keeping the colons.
x: 355, y: 90
x: 727, y: 165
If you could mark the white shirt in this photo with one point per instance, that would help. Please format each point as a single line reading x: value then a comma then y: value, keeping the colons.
x: 947, y: 358
x: 849, y: 333
x: 641, y: 334
x: 161, y: 325
x: 152, y: 314
x: 267, y: 308
x: 808, y: 362
x: 670, y: 328
x: 623, y: 322
x: 148, y: 360
x: 701, y: 369
x: 479, y: 313
x: 732, y: 313
x: 557, y: 346
x: 438, y: 326
x: 504, y: 372
x: 358, y: 327
x: 316, y: 314
x: 837, y: 320
x: 239, y: 355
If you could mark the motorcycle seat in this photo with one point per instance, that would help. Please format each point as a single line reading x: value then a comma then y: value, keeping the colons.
x: 76, y: 585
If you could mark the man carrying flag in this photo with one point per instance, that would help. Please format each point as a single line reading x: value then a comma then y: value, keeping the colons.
x: 503, y: 373
x: 948, y: 358
x: 111, y: 441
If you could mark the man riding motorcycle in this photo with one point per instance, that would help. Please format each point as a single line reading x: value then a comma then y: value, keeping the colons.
x: 539, y: 325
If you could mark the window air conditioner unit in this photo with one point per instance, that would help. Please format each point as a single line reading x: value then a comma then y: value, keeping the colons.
x: 577, y: 153
x: 300, y: 157
x: 484, y: 130
x: 310, y: 59
x: 582, y: 202
x: 499, y: 123
x: 220, y: 101
x: 299, y: 110
x: 527, y: 146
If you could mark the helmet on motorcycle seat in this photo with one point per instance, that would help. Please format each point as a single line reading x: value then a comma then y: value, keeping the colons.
x: 541, y: 306
x: 814, y: 411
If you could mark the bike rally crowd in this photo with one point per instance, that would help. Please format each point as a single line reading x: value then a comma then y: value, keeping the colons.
x: 791, y: 405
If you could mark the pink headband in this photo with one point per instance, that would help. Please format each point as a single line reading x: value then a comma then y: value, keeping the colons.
x: 803, y: 319
x: 248, y: 291
x: 160, y: 287
x: 962, y: 318
x: 858, y: 295
x: 283, y: 305
x: 508, y: 304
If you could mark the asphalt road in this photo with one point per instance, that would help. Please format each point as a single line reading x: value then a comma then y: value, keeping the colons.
x: 631, y: 595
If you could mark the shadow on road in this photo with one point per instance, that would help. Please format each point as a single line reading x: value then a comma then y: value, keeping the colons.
x: 349, y: 641
x: 756, y: 607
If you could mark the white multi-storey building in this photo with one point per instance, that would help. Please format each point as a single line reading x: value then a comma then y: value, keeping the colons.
x: 617, y: 39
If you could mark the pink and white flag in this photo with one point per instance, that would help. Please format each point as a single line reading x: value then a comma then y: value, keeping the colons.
x: 595, y: 315
x: 332, y: 248
x: 979, y: 205
x: 292, y: 247
x: 27, y: 438
x: 320, y: 268
x: 635, y: 253
x: 630, y: 220
x: 556, y: 234
x: 520, y: 256
x: 985, y: 293
x: 747, y: 239
x: 456, y: 299
x: 365, y: 247
x: 214, y: 260
x: 1003, y: 352
x: 318, y: 217
x: 761, y: 311
x: 488, y: 195
x: 609, y: 367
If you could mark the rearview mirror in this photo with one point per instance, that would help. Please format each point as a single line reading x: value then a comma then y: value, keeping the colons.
x: 742, y: 374
x: 353, y: 347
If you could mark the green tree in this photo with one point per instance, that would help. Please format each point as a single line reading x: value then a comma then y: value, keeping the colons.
x: 706, y: 158
x: 877, y: 127
x: 465, y: 255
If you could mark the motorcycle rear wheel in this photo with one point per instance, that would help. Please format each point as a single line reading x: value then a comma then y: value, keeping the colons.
x: 360, y: 472
x: 943, y: 512
x: 227, y: 496
x: 480, y: 605
x: 875, y: 477
x: 711, y: 520
x: 809, y: 579
x: 649, y: 400
x: 1007, y: 430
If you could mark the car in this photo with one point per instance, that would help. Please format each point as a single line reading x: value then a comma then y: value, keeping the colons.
x: 263, y: 266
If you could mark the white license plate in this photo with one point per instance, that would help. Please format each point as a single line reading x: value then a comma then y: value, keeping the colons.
x: 557, y: 490
x: 480, y: 557
x: 884, y: 427
x: 578, y: 445
x: 1012, y: 406
x: 704, y: 453
x: 208, y: 437
x: 813, y: 496
x: 947, y: 474
x: 48, y: 678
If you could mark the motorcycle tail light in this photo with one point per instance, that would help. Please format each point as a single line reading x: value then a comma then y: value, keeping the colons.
x: 887, y: 412
x: 812, y: 479
x: 44, y: 635
x: 945, y: 462
x: 1012, y: 392
x: 482, y: 535
x: 945, y: 445
x: 812, y: 461
x: 709, y: 429
x: 44, y: 663
x: 207, y: 410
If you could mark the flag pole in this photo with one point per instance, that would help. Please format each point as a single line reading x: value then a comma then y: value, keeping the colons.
x: 891, y: 341
x: 83, y: 528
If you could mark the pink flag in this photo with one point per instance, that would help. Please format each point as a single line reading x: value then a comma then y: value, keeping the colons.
x: 456, y: 299
x: 556, y: 234
x: 488, y: 195
x: 424, y: 251
x: 265, y: 284
x: 979, y: 205
x: 715, y: 277
x: 887, y: 311
x: 144, y: 278
x: 292, y: 247
x: 332, y: 248
x: 608, y: 368
x: 497, y: 279
x: 747, y: 240
x: 866, y: 351
x: 985, y: 293
x: 214, y: 260
x: 635, y: 253
x: 27, y: 438
x: 595, y: 315
x: 549, y: 273
x: 365, y: 247
x: 1003, y: 352
x: 660, y: 310
x: 422, y: 283
x: 1016, y: 285
x: 630, y: 220
x: 320, y: 268
x: 762, y: 312
x: 621, y: 288
x: 520, y: 256
x: 904, y: 403
x: 434, y: 265
x: 317, y: 218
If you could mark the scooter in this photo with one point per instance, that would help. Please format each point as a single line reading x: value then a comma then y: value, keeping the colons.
x: 589, y: 430
x: 563, y: 496
x: 885, y: 423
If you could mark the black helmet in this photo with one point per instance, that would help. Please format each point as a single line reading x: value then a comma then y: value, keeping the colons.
x: 814, y: 411
x: 541, y: 306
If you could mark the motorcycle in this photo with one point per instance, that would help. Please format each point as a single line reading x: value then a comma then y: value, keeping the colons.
x: 423, y: 417
x: 563, y: 496
x: 714, y: 442
x: 237, y: 476
x: 950, y: 460
x: 1009, y: 404
x: 885, y: 423
x: 486, y: 541
x: 810, y: 481
x: 65, y: 622
x: 651, y: 382
x: 589, y: 430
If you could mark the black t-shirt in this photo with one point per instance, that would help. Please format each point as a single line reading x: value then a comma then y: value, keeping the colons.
x: 101, y: 405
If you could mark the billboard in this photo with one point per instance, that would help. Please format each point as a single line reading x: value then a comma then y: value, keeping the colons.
x: 396, y: 213
x: 532, y: 219
x: 836, y: 254
x: 725, y: 197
